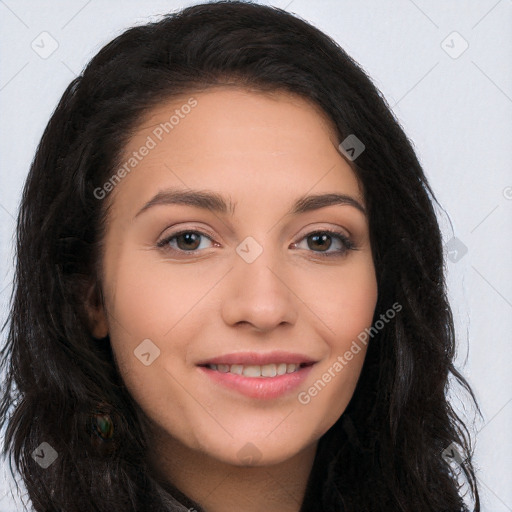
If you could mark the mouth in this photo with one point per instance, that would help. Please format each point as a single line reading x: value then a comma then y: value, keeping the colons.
x: 262, y: 375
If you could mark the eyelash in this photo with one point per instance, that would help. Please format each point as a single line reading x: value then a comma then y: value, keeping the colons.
x: 348, y: 244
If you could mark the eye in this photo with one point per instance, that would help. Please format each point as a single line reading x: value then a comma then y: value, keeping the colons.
x: 321, y: 241
x: 187, y: 241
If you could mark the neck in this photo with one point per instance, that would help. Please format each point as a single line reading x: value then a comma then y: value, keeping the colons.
x: 221, y: 487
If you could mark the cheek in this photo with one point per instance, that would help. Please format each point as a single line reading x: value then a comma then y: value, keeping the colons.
x: 343, y: 300
x: 145, y: 318
x: 140, y: 307
x: 328, y: 395
x: 345, y: 306
x: 149, y: 298
x: 356, y: 308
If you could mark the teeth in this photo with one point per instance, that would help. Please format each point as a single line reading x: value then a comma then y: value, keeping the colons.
x: 236, y: 368
x: 282, y: 368
x: 269, y: 370
x: 266, y: 370
x: 252, y: 371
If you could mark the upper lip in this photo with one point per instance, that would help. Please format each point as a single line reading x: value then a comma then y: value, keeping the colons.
x: 258, y: 358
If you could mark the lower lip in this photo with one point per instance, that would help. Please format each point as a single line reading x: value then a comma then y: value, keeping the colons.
x: 259, y: 387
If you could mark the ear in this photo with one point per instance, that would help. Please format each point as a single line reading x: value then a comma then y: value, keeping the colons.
x: 97, y: 316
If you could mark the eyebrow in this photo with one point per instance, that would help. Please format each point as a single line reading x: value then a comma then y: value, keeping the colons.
x: 209, y: 200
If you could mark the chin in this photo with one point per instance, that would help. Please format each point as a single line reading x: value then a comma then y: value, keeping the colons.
x: 255, y: 452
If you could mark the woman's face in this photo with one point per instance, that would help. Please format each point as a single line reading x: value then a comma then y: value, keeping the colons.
x: 247, y: 273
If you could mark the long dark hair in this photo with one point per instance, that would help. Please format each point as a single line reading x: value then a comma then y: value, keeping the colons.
x: 388, y: 445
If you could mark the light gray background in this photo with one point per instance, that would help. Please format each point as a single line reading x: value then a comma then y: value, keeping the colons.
x: 457, y: 110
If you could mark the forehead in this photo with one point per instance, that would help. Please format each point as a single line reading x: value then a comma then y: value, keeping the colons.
x: 236, y: 140
x: 232, y: 103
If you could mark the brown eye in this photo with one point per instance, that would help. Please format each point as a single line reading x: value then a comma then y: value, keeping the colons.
x: 321, y: 241
x: 188, y: 241
x: 183, y: 241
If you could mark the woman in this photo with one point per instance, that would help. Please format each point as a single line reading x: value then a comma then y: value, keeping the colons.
x: 229, y: 288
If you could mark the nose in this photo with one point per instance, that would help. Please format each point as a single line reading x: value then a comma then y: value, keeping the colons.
x: 259, y: 294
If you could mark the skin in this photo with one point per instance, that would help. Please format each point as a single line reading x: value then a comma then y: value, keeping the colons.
x: 263, y: 151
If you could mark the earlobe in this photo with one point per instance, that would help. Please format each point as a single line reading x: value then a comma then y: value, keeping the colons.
x: 96, y: 312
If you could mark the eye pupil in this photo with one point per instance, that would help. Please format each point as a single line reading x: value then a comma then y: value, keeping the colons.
x: 322, y: 237
x: 189, y: 238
